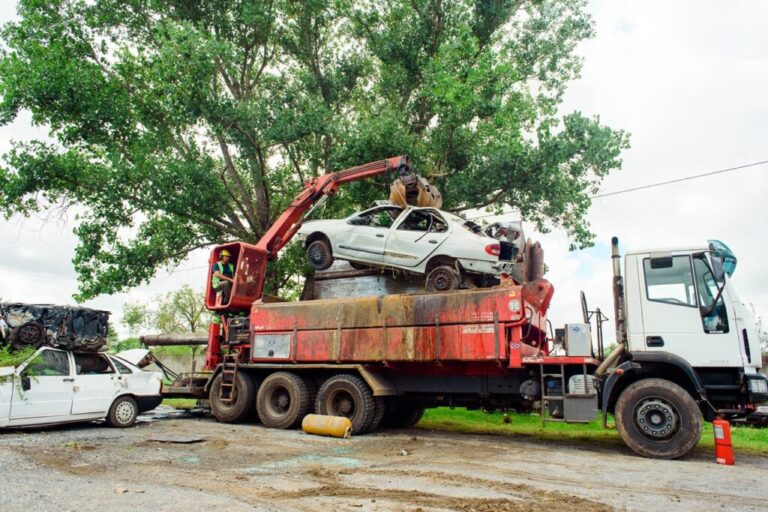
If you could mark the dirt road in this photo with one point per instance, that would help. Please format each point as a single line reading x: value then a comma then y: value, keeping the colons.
x: 247, y: 467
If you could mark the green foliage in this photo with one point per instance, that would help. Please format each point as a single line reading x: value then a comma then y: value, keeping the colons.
x: 135, y: 316
x: 745, y: 439
x: 10, y: 357
x: 179, y: 124
x: 180, y: 311
x: 126, y: 344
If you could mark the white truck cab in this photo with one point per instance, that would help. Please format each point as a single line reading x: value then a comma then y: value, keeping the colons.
x: 688, y: 348
x: 58, y: 386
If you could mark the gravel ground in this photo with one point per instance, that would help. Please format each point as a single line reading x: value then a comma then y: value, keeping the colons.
x: 246, y: 467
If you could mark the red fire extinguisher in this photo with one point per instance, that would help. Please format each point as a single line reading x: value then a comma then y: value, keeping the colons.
x: 723, y: 445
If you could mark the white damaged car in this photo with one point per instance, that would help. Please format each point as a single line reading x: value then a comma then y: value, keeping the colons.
x: 449, y: 250
x: 58, y: 386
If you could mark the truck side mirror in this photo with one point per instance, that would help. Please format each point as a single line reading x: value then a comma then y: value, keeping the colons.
x: 718, y: 272
x: 26, y: 382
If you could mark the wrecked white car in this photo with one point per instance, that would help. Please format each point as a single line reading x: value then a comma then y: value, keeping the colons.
x: 59, y: 386
x: 449, y: 250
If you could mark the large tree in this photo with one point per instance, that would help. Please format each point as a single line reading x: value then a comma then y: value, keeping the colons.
x: 176, y: 124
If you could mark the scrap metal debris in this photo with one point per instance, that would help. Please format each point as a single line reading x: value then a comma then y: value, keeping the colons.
x: 66, y: 327
x: 178, y: 439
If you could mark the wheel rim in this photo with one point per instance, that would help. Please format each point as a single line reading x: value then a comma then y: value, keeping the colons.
x: 318, y: 254
x: 28, y: 335
x: 279, y: 402
x: 442, y: 280
x: 124, y: 413
x: 341, y: 403
x: 656, y: 418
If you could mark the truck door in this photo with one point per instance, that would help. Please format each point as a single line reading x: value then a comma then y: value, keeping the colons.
x: 96, y: 384
x: 417, y: 236
x: 43, y: 387
x: 673, y: 306
x: 367, y: 232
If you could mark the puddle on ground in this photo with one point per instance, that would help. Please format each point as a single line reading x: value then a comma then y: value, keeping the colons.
x: 270, y: 467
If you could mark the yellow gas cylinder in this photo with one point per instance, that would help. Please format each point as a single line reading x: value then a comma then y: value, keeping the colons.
x: 322, y: 425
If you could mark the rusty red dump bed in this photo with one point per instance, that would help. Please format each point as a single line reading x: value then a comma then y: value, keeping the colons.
x: 501, y: 324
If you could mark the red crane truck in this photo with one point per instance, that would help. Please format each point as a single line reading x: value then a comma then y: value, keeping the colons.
x: 687, y: 348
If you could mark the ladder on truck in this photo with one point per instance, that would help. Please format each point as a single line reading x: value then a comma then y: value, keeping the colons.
x: 578, y: 406
x: 229, y: 367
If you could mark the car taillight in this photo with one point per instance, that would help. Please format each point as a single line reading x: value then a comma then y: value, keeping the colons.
x: 493, y: 249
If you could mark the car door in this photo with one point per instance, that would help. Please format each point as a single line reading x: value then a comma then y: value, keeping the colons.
x: 672, y: 318
x: 96, y: 384
x: 415, y: 238
x: 365, y: 234
x: 43, y: 387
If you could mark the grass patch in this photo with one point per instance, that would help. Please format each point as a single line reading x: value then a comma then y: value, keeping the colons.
x: 181, y: 403
x: 11, y: 357
x: 745, y: 439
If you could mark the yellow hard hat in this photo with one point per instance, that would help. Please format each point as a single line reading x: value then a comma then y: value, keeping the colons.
x: 224, y: 253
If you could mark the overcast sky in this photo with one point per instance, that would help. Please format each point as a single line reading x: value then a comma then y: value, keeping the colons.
x: 687, y: 79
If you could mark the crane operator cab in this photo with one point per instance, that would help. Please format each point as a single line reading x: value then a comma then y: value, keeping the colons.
x: 235, y: 277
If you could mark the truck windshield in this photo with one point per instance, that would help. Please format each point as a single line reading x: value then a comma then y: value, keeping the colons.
x: 713, y: 316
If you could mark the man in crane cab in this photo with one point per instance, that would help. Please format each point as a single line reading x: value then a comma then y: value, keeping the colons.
x: 223, y: 276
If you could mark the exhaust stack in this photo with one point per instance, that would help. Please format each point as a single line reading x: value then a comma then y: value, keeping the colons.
x: 618, y: 294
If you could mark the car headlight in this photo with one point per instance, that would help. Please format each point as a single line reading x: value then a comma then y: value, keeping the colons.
x: 758, y: 386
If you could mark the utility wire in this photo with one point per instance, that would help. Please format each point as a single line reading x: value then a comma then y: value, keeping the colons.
x: 652, y: 185
x: 678, y: 180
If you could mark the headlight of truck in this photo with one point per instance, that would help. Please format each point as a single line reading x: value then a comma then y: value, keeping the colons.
x: 758, y: 386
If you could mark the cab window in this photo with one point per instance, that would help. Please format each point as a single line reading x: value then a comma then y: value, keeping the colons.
x: 713, y: 316
x: 671, y: 282
x: 420, y: 220
x: 382, y: 217
x: 92, y: 364
x: 48, y: 363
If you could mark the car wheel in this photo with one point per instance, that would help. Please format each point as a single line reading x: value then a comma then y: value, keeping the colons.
x: 657, y: 418
x: 443, y: 279
x: 319, y: 254
x: 240, y: 407
x: 123, y: 412
x: 283, y: 400
x: 348, y: 396
x: 28, y: 335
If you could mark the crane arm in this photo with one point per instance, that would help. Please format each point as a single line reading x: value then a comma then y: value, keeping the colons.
x: 289, y: 222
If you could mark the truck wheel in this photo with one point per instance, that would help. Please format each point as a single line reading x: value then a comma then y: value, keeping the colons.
x: 283, y: 400
x: 123, y: 412
x: 349, y: 396
x: 657, y: 418
x: 28, y: 335
x: 241, y: 407
x: 402, y: 414
x: 319, y: 254
x: 379, y: 408
x: 442, y: 279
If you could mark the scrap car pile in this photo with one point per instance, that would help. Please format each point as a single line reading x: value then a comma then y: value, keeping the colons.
x: 65, y: 327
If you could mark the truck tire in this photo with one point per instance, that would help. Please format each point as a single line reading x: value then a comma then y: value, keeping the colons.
x: 123, y: 412
x: 442, y: 279
x: 283, y: 400
x: 319, y: 254
x: 379, y: 408
x: 658, y: 419
x: 241, y: 408
x: 402, y: 414
x: 28, y: 335
x: 349, y: 396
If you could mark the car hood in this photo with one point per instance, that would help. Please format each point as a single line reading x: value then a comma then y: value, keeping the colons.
x: 136, y: 356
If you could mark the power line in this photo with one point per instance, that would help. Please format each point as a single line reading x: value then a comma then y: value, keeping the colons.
x: 652, y: 185
x: 678, y: 180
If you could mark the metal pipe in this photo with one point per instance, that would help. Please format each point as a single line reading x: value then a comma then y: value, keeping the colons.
x: 167, y: 340
x: 609, y: 360
x: 618, y: 293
